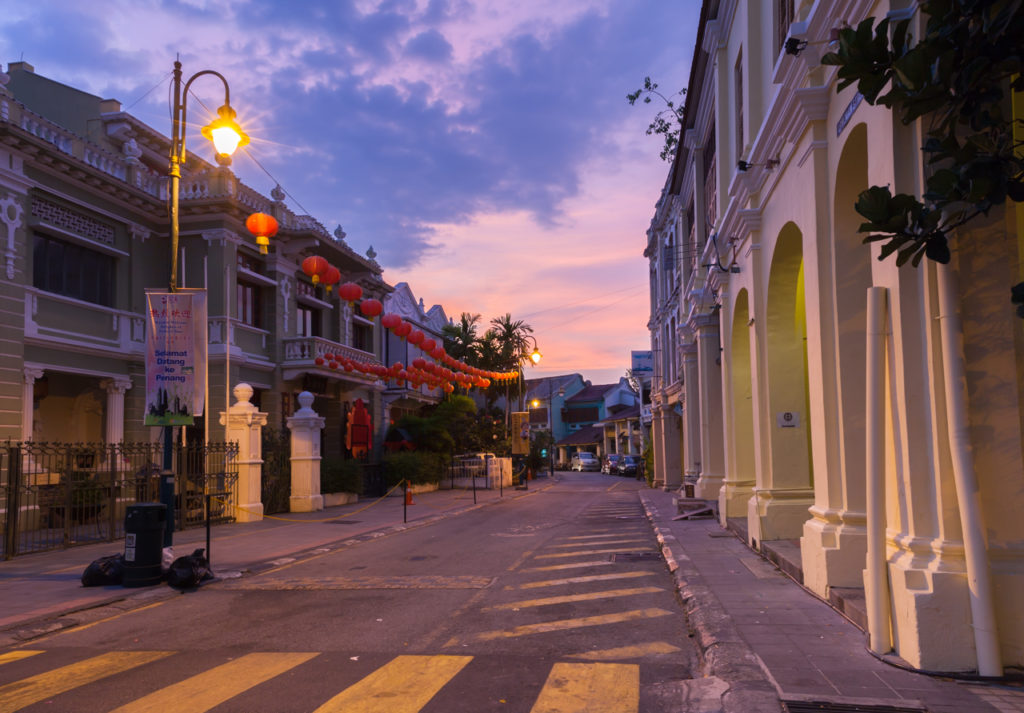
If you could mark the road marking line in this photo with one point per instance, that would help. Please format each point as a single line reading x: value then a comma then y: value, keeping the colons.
x: 404, y: 685
x: 17, y: 656
x: 586, y: 552
x: 211, y: 688
x: 581, y: 580
x: 590, y: 688
x: 563, y: 624
x: 545, y: 601
x: 573, y: 565
x: 628, y: 652
x: 611, y: 533
x: 645, y: 541
x: 21, y: 694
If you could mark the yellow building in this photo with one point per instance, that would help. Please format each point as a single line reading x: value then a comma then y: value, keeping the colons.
x: 763, y: 338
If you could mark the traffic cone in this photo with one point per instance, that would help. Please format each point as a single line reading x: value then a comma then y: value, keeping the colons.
x: 408, y: 496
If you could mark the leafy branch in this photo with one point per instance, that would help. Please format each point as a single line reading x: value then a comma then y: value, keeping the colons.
x: 957, y: 77
x: 666, y: 123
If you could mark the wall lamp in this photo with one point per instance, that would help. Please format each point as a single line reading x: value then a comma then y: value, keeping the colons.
x: 795, y: 46
x: 770, y: 164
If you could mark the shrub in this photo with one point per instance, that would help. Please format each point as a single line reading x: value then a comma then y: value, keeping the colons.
x: 418, y: 466
x: 341, y: 476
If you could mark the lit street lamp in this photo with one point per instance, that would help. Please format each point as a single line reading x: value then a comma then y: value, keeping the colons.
x: 226, y: 136
x: 551, y: 426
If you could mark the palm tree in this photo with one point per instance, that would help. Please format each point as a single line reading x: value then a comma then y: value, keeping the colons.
x: 515, y: 342
x: 460, y: 339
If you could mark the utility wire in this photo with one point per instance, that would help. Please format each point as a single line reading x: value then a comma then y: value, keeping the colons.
x: 149, y: 91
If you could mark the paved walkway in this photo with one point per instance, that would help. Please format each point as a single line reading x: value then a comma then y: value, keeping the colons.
x: 755, y: 624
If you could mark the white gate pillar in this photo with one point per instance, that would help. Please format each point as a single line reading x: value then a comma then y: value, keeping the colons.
x: 305, y: 426
x: 244, y: 423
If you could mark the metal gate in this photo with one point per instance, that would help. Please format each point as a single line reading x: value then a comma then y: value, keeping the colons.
x: 58, y: 495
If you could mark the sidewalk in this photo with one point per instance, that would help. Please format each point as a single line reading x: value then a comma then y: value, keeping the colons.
x: 42, y: 592
x: 765, y: 634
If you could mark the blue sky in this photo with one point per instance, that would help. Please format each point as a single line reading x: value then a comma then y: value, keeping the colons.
x: 485, y: 149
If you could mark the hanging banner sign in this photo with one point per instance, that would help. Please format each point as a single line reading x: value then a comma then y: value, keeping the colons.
x: 642, y: 363
x: 175, y: 356
x: 520, y: 432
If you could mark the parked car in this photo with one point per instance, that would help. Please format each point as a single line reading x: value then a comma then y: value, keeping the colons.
x: 610, y: 464
x: 628, y: 465
x: 584, y: 461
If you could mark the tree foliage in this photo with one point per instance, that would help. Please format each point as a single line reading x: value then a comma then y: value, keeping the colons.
x: 668, y: 122
x: 957, y: 78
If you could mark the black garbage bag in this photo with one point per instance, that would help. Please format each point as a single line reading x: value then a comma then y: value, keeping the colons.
x: 189, y: 571
x: 104, y: 571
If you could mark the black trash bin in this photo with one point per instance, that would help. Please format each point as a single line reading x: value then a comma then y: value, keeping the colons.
x: 143, y: 543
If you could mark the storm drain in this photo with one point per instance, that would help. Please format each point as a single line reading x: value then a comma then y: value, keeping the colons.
x: 811, y: 706
x: 637, y: 557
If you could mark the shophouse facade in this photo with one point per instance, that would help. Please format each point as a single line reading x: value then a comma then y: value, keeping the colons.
x: 84, y: 230
x: 760, y: 324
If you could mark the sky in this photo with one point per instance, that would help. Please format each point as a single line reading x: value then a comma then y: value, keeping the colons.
x: 484, y: 148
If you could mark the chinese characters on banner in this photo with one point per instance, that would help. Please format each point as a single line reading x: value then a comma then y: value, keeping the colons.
x: 520, y: 432
x: 175, y: 356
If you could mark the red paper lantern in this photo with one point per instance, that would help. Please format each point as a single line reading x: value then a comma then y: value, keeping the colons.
x: 319, y: 361
x: 350, y: 291
x: 390, y: 321
x: 371, y: 308
x: 437, y: 353
x: 415, y: 337
x: 263, y: 227
x: 330, y: 277
x: 333, y: 365
x: 427, y: 345
x: 314, y: 266
x: 419, y: 362
x: 403, y: 330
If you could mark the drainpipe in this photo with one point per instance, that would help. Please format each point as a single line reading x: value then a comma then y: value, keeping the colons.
x: 876, y: 574
x: 979, y: 579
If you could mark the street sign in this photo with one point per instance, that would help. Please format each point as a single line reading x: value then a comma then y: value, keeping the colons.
x: 520, y: 433
x: 642, y: 363
x: 176, y: 342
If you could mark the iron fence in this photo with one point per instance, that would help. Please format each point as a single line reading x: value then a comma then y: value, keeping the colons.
x: 58, y: 495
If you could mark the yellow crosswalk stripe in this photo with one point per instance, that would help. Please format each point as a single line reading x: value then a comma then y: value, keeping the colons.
x: 404, y: 685
x: 572, y: 565
x: 590, y: 688
x: 628, y: 652
x: 614, y: 541
x: 615, y: 533
x: 564, y: 624
x: 568, y: 598
x: 587, y: 552
x: 17, y: 655
x: 20, y: 694
x: 584, y: 580
x: 211, y: 688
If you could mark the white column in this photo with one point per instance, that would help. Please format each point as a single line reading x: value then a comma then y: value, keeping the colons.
x: 27, y: 401
x: 691, y: 413
x: 712, y: 441
x: 244, y: 423
x: 115, y: 389
x: 305, y: 426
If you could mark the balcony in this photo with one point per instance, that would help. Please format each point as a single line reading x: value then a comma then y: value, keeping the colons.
x: 66, y: 322
x: 300, y: 354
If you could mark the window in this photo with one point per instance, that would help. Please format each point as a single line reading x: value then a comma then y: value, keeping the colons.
x: 784, y: 14
x: 73, y: 270
x: 250, y: 304
x: 362, y: 336
x: 737, y: 74
x: 307, y: 321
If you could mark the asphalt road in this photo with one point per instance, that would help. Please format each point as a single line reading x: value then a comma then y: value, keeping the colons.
x: 554, y: 603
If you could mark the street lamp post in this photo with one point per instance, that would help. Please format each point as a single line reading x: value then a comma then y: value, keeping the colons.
x: 226, y: 136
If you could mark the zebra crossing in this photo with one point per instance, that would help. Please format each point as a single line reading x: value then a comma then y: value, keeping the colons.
x: 405, y: 684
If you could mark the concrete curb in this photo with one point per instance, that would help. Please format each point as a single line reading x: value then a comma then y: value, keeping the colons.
x: 28, y: 630
x: 723, y: 652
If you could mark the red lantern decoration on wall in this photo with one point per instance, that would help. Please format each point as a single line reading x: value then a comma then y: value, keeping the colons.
x: 330, y: 277
x: 371, y: 308
x: 314, y: 266
x: 404, y: 329
x: 427, y: 345
x: 390, y: 321
x: 415, y: 337
x: 437, y: 352
x: 350, y: 292
x: 263, y: 227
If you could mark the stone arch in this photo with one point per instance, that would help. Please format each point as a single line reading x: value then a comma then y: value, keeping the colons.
x: 740, y: 482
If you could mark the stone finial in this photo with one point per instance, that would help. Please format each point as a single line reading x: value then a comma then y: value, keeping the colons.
x: 305, y: 403
x: 277, y: 193
x: 371, y: 253
x: 243, y: 392
x: 131, y: 150
x: 340, y: 234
